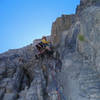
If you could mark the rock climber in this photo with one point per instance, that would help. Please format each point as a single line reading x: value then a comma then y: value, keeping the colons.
x: 43, y: 46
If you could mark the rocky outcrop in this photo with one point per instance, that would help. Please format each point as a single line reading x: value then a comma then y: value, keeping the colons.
x: 81, y: 67
x: 22, y: 77
x: 71, y: 73
x: 61, y: 24
x: 80, y: 71
x: 85, y: 4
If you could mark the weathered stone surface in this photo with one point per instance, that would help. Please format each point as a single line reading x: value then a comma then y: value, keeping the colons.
x: 72, y: 73
x: 85, y: 4
x: 59, y: 26
x: 2, y: 91
x: 91, y: 31
x: 10, y: 96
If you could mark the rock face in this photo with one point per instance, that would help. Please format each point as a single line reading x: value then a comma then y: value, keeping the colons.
x: 80, y: 59
x: 72, y: 73
x: 61, y: 24
x: 87, y: 3
x: 22, y: 77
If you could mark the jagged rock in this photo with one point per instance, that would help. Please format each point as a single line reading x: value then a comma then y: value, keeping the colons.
x: 10, y: 96
x: 2, y: 72
x: 90, y: 30
x: 85, y: 4
x: 72, y: 73
x: 59, y: 26
x: 88, y: 2
x: 2, y: 91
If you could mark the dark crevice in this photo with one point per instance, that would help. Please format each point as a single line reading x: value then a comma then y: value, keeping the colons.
x: 26, y: 80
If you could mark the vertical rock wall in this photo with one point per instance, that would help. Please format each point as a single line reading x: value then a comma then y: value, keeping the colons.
x: 72, y: 73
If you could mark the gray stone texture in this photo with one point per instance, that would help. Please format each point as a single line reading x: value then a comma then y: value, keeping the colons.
x: 72, y: 73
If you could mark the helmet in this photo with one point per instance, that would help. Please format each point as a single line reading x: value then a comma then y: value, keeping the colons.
x: 44, y: 37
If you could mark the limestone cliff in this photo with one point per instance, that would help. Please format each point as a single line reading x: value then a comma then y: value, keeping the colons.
x: 72, y: 73
x: 61, y: 24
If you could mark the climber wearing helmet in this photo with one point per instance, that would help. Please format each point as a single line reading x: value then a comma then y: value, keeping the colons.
x: 44, y: 43
x: 43, y: 46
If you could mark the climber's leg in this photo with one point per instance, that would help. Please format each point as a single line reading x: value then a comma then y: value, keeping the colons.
x: 38, y: 47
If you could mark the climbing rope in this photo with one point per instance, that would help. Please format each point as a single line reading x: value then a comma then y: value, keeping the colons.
x: 59, y: 98
x: 59, y: 93
x: 56, y: 92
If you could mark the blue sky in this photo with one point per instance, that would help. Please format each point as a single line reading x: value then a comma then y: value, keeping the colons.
x: 22, y: 21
